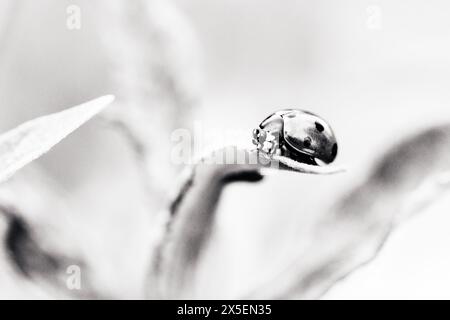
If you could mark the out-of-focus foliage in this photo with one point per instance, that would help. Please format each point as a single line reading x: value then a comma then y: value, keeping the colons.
x: 35, y: 252
x: 154, y: 69
x: 120, y: 170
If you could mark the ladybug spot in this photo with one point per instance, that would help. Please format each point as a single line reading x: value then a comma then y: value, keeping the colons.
x: 319, y: 127
x: 334, y: 150
x: 307, y: 142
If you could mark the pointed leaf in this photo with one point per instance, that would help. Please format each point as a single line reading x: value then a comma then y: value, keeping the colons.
x: 32, y: 139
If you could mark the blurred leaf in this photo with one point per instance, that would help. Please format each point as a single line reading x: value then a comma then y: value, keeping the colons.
x: 40, y: 241
x: 32, y: 139
x: 155, y: 74
x: 407, y: 178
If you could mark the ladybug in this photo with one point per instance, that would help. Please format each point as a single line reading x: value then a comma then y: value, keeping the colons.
x: 297, y: 134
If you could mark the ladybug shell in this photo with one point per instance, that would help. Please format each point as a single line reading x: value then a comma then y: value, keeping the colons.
x: 309, y: 134
x: 275, y: 123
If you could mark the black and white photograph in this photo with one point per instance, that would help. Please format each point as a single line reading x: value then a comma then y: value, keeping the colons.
x: 245, y: 151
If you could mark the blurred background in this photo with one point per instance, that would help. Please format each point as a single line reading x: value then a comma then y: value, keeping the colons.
x: 375, y: 70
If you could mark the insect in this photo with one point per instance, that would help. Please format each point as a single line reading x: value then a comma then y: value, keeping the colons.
x: 297, y: 134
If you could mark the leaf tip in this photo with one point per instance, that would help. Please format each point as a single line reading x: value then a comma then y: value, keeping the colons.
x: 105, y: 100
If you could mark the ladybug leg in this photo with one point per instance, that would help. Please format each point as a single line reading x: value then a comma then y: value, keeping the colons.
x: 259, y: 137
x: 272, y: 149
x: 274, y: 142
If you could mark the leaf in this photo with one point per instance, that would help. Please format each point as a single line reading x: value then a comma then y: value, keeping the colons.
x: 340, y: 240
x: 39, y: 245
x: 191, y: 213
x: 32, y: 139
x: 155, y: 72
